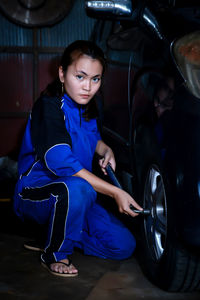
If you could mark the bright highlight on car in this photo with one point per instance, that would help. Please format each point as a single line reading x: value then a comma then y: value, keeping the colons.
x: 186, y: 52
x: 119, y: 7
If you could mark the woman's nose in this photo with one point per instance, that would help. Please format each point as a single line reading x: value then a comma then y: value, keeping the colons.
x: 87, y: 85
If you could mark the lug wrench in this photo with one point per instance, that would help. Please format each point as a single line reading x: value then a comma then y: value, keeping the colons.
x: 113, y: 178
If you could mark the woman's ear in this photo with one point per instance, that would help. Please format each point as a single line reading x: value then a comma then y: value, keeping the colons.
x: 61, y: 74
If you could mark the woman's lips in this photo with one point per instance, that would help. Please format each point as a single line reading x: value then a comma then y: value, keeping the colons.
x: 85, y: 96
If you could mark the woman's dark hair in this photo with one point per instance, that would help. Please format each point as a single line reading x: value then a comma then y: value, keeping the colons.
x: 83, y: 47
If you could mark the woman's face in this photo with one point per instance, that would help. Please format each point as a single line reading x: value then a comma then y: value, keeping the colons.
x: 82, y: 78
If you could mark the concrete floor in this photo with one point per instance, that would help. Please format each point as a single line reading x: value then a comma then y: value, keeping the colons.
x: 22, y: 277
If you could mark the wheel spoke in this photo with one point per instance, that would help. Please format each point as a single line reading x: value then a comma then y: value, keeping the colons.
x: 160, y: 225
x: 154, y: 175
x: 156, y: 223
x: 155, y: 243
x: 158, y: 195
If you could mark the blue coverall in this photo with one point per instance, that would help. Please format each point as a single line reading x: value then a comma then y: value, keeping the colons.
x: 59, y: 142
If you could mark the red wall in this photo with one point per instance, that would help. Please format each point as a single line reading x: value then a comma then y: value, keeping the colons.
x: 17, y: 95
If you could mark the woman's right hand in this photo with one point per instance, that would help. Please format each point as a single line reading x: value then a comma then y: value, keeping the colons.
x: 124, y: 200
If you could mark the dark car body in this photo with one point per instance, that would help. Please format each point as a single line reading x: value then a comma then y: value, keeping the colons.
x: 151, y: 119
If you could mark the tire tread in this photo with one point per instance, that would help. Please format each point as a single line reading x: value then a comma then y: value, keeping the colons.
x: 186, y: 276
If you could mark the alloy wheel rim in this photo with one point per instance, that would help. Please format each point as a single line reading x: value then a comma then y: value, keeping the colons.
x: 155, y: 224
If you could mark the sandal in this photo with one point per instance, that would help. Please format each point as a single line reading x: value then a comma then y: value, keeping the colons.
x: 34, y: 246
x: 47, y: 266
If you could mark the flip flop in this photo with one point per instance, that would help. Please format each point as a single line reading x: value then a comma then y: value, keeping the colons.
x: 34, y: 246
x: 47, y: 266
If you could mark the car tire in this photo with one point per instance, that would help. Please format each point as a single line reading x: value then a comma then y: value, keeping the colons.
x: 163, y: 260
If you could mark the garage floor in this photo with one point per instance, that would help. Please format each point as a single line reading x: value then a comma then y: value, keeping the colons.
x: 22, y: 277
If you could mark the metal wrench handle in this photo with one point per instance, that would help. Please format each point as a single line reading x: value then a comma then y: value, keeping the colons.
x: 112, y: 176
x: 115, y: 181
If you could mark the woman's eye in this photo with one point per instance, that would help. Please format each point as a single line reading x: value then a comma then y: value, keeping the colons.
x: 96, y: 79
x: 79, y: 77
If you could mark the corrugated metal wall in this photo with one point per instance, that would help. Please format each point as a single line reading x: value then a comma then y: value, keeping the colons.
x: 14, y: 35
x: 74, y: 26
x: 29, y: 60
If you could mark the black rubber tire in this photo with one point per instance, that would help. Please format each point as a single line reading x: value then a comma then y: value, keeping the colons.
x: 181, y: 270
x: 177, y: 269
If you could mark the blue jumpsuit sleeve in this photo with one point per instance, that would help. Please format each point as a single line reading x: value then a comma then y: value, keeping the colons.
x: 60, y: 160
x: 51, y: 140
x: 98, y: 135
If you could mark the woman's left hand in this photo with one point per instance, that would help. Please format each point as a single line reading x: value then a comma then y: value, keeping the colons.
x: 107, y: 158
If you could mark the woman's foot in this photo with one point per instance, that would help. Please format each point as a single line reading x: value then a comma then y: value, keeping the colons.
x: 62, y: 268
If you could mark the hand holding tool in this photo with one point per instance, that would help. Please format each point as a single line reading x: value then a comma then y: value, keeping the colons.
x: 115, y: 181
